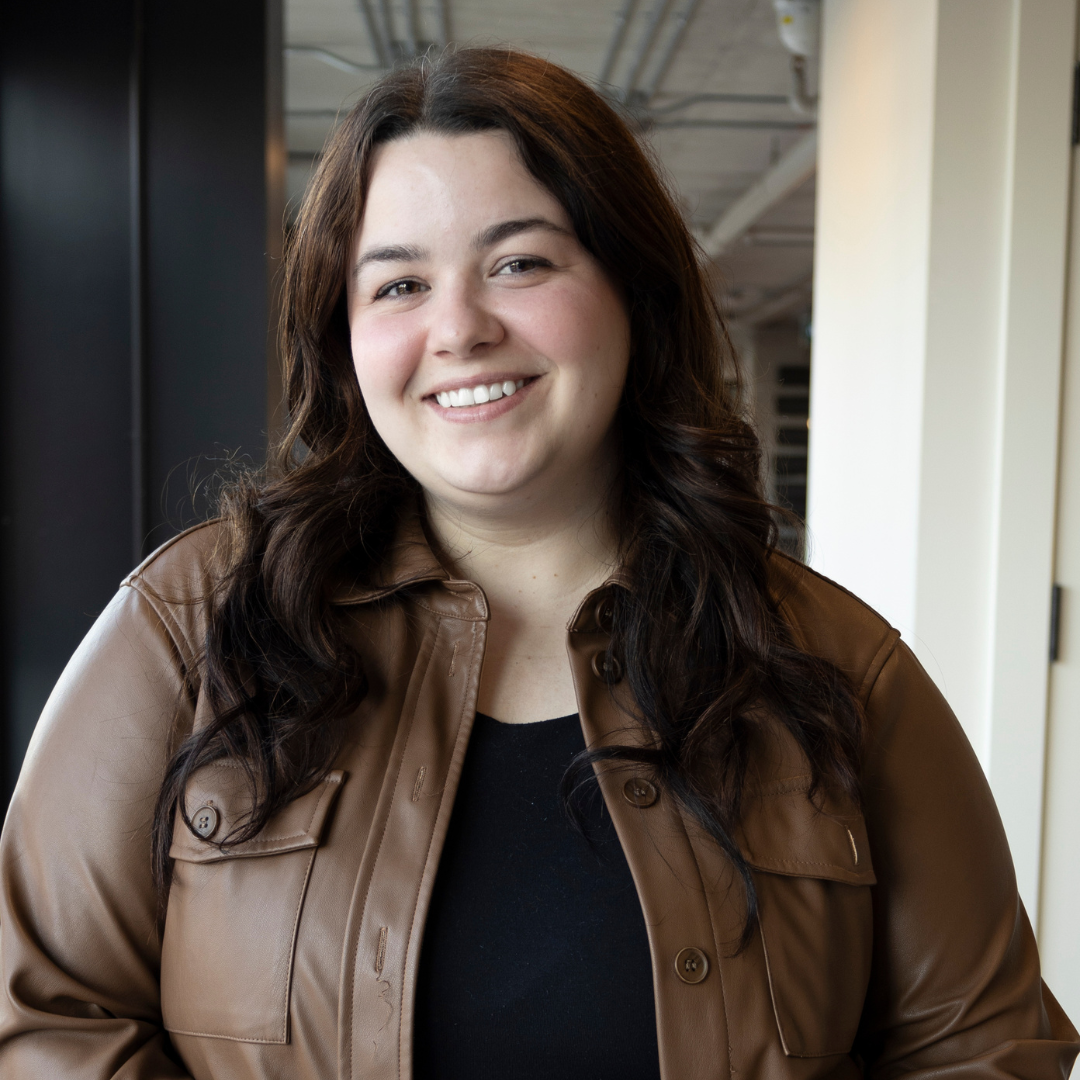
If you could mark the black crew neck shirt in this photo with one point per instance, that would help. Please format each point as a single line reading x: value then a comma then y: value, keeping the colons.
x: 535, y: 962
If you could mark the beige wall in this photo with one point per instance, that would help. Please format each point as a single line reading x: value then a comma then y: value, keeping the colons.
x: 938, y: 312
x: 1060, y: 914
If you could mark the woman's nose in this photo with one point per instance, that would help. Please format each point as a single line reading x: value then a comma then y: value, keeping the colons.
x: 461, y: 324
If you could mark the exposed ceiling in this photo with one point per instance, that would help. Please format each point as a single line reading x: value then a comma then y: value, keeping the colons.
x: 708, y: 80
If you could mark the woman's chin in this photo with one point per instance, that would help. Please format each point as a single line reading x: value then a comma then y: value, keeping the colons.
x: 481, y: 487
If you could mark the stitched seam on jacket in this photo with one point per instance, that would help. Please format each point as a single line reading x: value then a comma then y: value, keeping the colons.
x: 328, y: 792
x: 445, y: 615
x: 877, y: 665
x: 427, y: 855
x: 292, y: 947
x: 227, y: 1038
x: 382, y: 837
x: 171, y: 627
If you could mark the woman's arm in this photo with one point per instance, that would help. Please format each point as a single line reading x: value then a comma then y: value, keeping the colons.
x: 955, y: 987
x: 79, y: 941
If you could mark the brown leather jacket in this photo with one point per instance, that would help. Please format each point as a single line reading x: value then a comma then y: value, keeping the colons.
x: 894, y: 944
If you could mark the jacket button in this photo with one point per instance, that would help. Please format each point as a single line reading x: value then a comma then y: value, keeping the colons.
x: 640, y: 792
x: 691, y: 965
x: 205, y: 821
x: 606, y: 667
x: 605, y: 610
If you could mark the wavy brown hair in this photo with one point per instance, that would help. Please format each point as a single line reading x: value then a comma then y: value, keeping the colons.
x: 702, y: 642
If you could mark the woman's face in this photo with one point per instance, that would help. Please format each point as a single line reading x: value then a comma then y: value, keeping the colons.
x: 490, y: 346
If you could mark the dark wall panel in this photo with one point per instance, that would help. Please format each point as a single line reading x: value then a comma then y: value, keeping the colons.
x: 108, y: 224
x: 65, y: 390
x: 207, y: 316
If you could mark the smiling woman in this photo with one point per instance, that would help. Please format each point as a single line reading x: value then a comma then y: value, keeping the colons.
x: 510, y: 573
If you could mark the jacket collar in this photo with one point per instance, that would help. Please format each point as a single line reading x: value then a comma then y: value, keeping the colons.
x: 411, y: 561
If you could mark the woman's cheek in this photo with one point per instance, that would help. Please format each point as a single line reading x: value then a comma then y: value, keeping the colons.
x: 386, y: 354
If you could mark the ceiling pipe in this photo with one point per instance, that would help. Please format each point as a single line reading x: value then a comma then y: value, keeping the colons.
x: 777, y: 303
x: 389, y: 38
x: 645, y: 47
x: 412, y: 35
x: 442, y: 13
x: 734, y: 125
x: 331, y: 59
x: 661, y: 70
x: 622, y: 21
x: 377, y: 46
x: 727, y: 99
x: 793, y: 168
x: 799, y: 26
x: 801, y: 101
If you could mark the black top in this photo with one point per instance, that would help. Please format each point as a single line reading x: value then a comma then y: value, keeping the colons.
x: 535, y: 963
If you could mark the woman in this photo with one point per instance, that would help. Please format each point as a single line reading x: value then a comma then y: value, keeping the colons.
x: 516, y: 515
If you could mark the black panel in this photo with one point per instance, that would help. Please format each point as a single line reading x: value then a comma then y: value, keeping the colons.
x: 206, y: 243
x: 78, y: 271
x: 65, y: 391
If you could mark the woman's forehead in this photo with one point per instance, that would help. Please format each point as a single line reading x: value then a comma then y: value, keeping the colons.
x: 435, y: 184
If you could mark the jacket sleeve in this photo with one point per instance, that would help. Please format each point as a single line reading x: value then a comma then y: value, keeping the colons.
x: 955, y: 986
x: 79, y: 942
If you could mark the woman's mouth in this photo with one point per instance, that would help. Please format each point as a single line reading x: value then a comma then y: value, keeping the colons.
x: 478, y: 395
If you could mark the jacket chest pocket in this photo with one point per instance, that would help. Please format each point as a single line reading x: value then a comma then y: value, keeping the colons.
x: 813, y: 873
x: 233, y: 915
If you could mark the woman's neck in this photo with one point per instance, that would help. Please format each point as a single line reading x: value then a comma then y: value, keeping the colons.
x: 535, y: 569
x: 530, y: 562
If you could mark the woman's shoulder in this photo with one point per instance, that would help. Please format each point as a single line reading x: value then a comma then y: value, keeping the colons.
x: 183, y: 567
x: 179, y: 578
x: 829, y: 621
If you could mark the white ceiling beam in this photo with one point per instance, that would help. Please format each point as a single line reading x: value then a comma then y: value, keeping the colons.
x: 792, y: 168
x: 775, y: 304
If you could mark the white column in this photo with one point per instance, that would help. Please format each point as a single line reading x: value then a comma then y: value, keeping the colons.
x: 1059, y: 924
x: 938, y: 293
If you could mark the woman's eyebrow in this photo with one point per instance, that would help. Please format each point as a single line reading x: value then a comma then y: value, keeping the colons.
x: 392, y: 253
x: 495, y: 234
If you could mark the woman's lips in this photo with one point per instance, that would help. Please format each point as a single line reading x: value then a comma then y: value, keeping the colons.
x: 494, y: 405
x: 478, y: 395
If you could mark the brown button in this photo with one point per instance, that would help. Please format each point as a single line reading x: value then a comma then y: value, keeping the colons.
x: 606, y: 667
x: 640, y: 792
x: 691, y: 965
x: 605, y: 610
x: 205, y: 821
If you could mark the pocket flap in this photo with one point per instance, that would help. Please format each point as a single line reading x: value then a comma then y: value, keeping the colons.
x: 783, y: 832
x: 218, y: 798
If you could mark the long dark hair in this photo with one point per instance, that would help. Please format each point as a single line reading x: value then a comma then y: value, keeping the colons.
x: 702, y: 642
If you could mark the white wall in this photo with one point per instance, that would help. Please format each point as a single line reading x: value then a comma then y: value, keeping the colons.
x: 938, y: 297
x: 1059, y: 934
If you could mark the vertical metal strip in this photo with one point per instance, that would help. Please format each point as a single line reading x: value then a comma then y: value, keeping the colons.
x: 137, y: 271
x: 276, y: 164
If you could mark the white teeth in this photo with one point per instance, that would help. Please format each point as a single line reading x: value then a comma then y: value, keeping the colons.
x: 478, y: 395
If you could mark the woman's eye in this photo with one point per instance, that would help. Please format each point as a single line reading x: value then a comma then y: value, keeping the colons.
x: 521, y: 266
x: 398, y: 288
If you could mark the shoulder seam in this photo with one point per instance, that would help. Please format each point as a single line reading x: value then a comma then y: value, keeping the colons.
x: 777, y: 553
x: 865, y: 683
x: 159, y: 551
x: 873, y: 672
x: 172, y: 628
